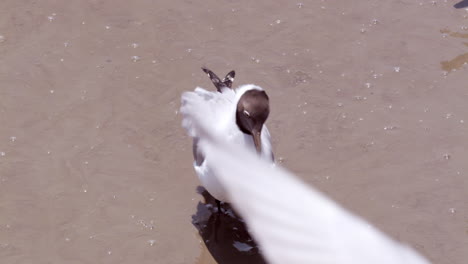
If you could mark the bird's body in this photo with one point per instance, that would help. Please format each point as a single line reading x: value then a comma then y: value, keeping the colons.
x: 292, y: 222
x: 220, y: 113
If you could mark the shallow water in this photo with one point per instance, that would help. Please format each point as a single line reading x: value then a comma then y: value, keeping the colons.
x: 95, y: 167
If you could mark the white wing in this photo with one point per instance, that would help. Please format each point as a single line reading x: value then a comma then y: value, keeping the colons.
x: 214, y: 106
x: 217, y: 110
x: 292, y: 223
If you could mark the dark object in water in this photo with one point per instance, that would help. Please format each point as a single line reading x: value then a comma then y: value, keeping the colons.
x: 462, y: 4
x: 224, y: 233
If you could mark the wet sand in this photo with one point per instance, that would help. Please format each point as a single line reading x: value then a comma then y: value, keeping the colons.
x: 95, y: 167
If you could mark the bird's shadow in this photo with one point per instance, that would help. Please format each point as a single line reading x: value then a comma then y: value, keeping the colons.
x: 461, y: 4
x: 224, y: 233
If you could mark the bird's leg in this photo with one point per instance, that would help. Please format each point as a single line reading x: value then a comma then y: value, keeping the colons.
x: 218, y: 203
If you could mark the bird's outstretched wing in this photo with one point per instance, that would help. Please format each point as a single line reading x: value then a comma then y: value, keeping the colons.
x: 292, y: 222
x: 212, y: 107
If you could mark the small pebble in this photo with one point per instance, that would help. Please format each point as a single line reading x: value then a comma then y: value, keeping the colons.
x: 390, y: 128
x: 255, y: 60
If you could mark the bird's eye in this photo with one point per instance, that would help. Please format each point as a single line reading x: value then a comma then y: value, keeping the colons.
x: 246, y: 113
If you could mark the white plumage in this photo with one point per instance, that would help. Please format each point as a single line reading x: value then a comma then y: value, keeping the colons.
x: 219, y: 110
x: 292, y: 223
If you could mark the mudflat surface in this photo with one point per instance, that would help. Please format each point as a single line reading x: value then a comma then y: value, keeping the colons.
x: 368, y: 104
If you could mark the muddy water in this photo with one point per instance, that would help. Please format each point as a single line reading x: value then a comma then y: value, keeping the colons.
x: 95, y: 168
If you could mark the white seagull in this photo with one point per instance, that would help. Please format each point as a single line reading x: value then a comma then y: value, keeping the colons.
x: 292, y: 222
x: 238, y: 114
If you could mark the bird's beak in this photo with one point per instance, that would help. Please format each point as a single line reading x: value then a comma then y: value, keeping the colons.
x: 257, y: 140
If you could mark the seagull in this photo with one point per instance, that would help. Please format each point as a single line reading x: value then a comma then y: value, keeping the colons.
x: 291, y: 221
x: 239, y: 114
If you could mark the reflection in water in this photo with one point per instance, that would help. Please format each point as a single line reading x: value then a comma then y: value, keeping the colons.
x: 224, y: 234
x: 462, y: 4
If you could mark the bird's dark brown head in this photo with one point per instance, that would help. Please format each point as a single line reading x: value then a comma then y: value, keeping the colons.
x: 252, y: 111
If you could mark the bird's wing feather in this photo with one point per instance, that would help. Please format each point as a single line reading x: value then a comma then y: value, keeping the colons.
x: 267, y: 149
x: 292, y: 223
x: 214, y: 107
